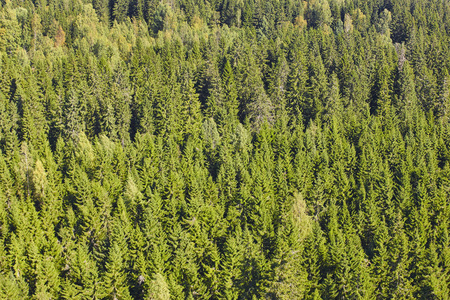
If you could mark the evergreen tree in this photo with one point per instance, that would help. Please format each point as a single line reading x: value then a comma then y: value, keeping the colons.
x: 114, y: 280
x: 158, y: 288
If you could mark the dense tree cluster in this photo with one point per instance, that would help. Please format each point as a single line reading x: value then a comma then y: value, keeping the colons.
x: 224, y: 149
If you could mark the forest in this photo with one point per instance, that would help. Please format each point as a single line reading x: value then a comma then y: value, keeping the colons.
x: 224, y: 149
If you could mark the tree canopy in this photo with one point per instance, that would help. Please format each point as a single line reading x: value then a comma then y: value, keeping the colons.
x: 224, y: 149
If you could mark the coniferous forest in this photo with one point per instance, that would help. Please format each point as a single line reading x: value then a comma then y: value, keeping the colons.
x: 224, y: 149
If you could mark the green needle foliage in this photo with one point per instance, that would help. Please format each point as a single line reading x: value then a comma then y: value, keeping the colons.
x: 224, y: 149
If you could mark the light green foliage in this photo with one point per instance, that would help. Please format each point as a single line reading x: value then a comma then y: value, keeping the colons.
x: 114, y: 279
x: 159, y: 289
x: 12, y: 287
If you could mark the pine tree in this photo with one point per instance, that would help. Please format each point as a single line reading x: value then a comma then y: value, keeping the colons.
x: 278, y: 83
x: 9, y: 41
x: 407, y: 98
x: 158, y: 288
x: 12, y: 287
x: 189, y: 110
x: 120, y: 10
x: 231, y: 105
x: 443, y: 105
x: 317, y: 87
x: 114, y: 279
x: 319, y: 14
x: 255, y: 106
x: 400, y: 285
x: 334, y: 106
x: 82, y: 278
x: 291, y: 278
x: 297, y: 88
x: 381, y: 101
